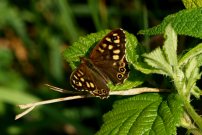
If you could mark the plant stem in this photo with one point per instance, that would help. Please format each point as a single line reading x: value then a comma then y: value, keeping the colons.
x: 190, y: 110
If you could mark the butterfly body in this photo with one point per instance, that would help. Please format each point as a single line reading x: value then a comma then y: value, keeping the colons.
x: 106, y: 63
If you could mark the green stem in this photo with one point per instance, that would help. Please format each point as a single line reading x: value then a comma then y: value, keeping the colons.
x: 195, y: 132
x: 190, y: 110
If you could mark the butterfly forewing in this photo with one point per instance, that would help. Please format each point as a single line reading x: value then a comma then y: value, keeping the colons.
x: 109, y: 56
x: 111, y: 47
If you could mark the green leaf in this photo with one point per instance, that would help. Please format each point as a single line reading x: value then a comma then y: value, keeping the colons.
x: 186, y: 22
x: 134, y: 55
x: 194, y: 52
x: 164, y: 60
x: 196, y: 92
x: 170, y: 46
x: 192, y: 3
x: 157, y: 60
x: 191, y: 67
x: 192, y: 75
x: 145, y: 114
x: 132, y: 48
x: 199, y: 60
x: 85, y: 44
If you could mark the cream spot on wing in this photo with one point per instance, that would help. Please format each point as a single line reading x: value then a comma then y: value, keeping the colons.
x: 95, y: 92
x: 110, y: 47
x: 114, y: 64
x: 75, y: 77
x: 82, y: 79
x: 79, y: 84
x: 92, y: 85
x: 104, y: 45
x: 117, y: 41
x: 87, y: 84
x: 115, y: 34
x: 117, y: 51
x: 80, y: 72
x: 108, y: 39
x: 101, y: 50
x: 115, y: 57
x: 73, y: 81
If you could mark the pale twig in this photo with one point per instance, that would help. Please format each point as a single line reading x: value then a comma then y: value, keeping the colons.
x: 31, y: 106
x: 134, y: 91
x: 25, y: 106
x: 24, y: 113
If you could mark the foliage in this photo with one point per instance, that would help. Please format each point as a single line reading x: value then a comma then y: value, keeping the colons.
x: 186, y: 22
x: 144, y: 114
x: 184, y: 72
x: 192, y: 3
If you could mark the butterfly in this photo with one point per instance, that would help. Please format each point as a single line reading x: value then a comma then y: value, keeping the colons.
x: 107, y: 62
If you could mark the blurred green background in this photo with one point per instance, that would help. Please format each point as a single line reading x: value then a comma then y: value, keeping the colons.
x: 33, y: 33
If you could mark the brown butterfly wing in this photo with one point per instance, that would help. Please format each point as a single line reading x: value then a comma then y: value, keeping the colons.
x: 112, y: 42
x: 109, y: 56
x: 117, y: 71
x: 85, y: 78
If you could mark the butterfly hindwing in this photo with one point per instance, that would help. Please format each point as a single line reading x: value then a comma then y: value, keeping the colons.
x: 84, y: 78
x: 117, y: 71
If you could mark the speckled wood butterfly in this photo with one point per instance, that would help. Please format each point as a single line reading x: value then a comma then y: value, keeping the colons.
x: 107, y: 62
